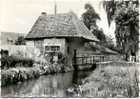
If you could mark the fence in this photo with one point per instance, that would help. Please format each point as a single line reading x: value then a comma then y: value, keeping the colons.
x: 92, y: 59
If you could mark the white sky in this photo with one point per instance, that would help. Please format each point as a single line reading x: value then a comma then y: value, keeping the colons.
x: 20, y: 15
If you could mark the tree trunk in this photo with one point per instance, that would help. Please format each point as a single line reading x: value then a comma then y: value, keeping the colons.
x: 138, y: 53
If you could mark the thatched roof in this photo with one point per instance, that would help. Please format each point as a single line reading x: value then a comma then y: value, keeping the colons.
x: 60, y: 25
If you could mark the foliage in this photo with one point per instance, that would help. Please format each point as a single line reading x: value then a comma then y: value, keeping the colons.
x: 20, y: 74
x: 100, y: 35
x: 125, y: 14
x: 112, y: 81
x: 14, y: 75
x: 20, y: 41
x: 90, y: 16
x: 110, y: 7
x: 14, y: 61
x: 126, y: 31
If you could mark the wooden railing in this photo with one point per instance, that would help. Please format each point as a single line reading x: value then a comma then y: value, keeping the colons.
x: 92, y: 59
x: 84, y: 60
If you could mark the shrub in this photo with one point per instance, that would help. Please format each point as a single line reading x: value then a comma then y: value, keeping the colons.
x: 14, y: 61
x: 14, y: 75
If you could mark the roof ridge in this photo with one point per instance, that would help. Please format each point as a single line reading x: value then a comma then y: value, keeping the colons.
x: 56, y: 14
x: 60, y: 25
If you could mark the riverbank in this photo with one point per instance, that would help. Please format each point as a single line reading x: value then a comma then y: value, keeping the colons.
x: 19, y: 74
x: 112, y: 80
x: 54, y: 85
x: 22, y: 65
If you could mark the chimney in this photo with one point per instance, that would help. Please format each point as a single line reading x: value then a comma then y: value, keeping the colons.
x: 55, y: 8
x: 43, y: 13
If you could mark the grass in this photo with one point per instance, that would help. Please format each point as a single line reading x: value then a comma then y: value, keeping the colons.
x: 112, y: 81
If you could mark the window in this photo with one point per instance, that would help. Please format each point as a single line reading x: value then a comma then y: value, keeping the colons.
x: 52, y: 48
x: 58, y: 48
x: 47, y: 48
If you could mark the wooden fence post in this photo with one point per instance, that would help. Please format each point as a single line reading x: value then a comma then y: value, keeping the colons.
x: 75, y: 63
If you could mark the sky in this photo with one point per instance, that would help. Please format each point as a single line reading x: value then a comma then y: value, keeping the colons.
x: 20, y: 15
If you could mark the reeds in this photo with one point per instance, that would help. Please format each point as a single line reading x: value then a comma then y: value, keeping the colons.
x: 112, y: 81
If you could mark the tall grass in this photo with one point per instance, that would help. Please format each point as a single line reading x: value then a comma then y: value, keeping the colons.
x: 112, y: 81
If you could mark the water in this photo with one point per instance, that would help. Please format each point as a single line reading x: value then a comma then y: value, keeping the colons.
x: 45, y: 86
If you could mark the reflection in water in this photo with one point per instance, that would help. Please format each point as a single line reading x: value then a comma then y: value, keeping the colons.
x: 75, y: 76
x: 48, y: 86
x: 79, y: 75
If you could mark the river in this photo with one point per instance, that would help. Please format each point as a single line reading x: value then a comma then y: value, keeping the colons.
x: 45, y: 86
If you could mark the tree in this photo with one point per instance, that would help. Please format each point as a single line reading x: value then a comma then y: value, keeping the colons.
x: 110, y: 8
x: 20, y: 41
x: 90, y: 16
x: 100, y: 35
x: 125, y: 14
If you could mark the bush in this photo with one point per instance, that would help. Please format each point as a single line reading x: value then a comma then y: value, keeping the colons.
x: 20, y: 74
x: 15, y: 61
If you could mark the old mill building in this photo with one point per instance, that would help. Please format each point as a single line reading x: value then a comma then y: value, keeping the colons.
x: 59, y: 33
